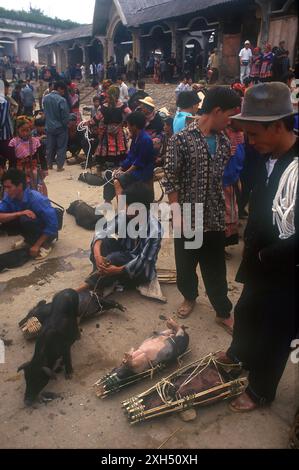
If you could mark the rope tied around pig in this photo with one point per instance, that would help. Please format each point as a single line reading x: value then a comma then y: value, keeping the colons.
x: 95, y: 294
x: 163, y: 387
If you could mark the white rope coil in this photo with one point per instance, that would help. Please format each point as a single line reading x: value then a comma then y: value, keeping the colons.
x: 284, y: 202
x: 83, y: 127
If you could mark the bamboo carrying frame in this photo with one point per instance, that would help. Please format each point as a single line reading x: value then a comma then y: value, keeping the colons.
x: 111, y: 383
x: 137, y: 410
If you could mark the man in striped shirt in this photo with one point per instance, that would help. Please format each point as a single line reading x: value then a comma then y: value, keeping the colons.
x: 131, y: 257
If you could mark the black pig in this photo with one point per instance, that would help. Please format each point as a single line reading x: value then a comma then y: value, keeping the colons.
x: 59, y: 331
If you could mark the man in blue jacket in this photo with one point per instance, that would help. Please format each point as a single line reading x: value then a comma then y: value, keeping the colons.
x: 27, y: 213
x: 139, y: 164
x: 57, y: 117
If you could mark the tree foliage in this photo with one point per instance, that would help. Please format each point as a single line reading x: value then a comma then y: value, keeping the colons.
x: 36, y: 15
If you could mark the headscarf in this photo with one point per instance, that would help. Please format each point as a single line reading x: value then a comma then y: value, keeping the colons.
x: 238, y: 87
x: 113, y: 96
x: 106, y: 84
x: 21, y: 120
x: 2, y: 92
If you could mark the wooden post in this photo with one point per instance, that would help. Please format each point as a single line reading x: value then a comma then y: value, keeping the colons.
x: 265, y: 6
x: 136, y: 43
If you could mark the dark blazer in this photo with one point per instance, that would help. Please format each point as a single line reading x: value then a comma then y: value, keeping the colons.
x: 268, y: 259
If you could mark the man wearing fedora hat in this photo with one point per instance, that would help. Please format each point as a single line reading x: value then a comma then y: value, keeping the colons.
x: 266, y: 315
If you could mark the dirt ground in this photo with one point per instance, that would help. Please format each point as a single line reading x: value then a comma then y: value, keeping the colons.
x: 79, y: 419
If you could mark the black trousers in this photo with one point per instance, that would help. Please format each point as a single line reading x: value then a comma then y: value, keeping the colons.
x: 30, y: 229
x: 113, y: 251
x: 266, y: 322
x: 109, y: 190
x: 211, y: 260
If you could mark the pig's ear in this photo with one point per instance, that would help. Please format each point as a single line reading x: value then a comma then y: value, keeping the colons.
x: 49, y: 372
x: 23, y: 366
x: 127, y: 358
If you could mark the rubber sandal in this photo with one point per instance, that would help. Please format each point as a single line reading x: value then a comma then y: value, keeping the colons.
x: 18, y: 245
x: 43, y: 253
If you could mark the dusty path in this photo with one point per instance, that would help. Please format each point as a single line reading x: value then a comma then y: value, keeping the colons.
x: 79, y: 419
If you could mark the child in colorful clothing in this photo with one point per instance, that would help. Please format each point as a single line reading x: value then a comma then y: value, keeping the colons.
x: 39, y: 131
x: 231, y: 184
x: 29, y: 158
x: 267, y: 61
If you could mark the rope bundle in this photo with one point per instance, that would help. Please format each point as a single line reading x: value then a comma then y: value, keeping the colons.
x: 284, y: 202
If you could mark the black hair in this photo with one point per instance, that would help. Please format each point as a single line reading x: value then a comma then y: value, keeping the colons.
x: 141, y: 84
x: 40, y: 122
x: 247, y: 81
x: 220, y: 97
x: 187, y: 99
x: 288, y: 122
x: 60, y: 86
x: 6, y: 83
x: 290, y: 75
x: 15, y: 176
x: 139, y: 192
x: 169, y: 122
x: 236, y: 80
x: 137, y: 119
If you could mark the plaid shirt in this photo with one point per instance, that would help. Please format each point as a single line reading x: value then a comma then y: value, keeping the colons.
x: 143, y: 251
x: 191, y: 171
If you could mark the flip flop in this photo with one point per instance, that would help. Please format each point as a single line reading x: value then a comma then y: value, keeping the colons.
x: 18, y: 245
x: 185, y: 312
x: 43, y: 253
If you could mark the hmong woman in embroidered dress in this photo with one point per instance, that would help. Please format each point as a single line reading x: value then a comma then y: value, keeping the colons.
x: 256, y: 65
x: 75, y: 102
x: 29, y: 157
x: 266, y: 67
x: 110, y: 118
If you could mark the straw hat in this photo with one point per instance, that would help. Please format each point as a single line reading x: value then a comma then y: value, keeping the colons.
x: 148, y: 101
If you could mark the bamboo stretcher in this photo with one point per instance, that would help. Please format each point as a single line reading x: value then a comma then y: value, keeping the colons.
x: 184, y: 389
x: 111, y: 383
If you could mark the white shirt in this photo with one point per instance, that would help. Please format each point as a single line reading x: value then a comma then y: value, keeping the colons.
x: 82, y: 69
x: 124, y: 94
x: 245, y: 54
x: 270, y: 164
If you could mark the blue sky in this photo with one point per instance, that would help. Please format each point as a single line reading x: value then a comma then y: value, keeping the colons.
x: 75, y: 10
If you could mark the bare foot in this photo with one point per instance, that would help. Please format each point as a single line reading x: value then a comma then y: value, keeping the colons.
x: 226, y: 323
x: 186, y: 308
x: 243, y: 404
